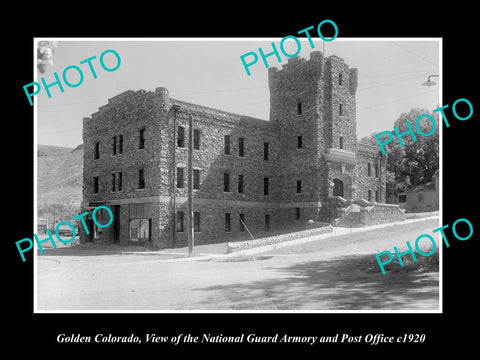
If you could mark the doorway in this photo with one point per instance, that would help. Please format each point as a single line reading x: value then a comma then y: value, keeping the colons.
x: 338, y: 187
x: 116, y: 224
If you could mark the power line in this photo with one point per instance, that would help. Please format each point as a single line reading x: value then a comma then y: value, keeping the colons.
x: 393, y: 101
x: 413, y: 53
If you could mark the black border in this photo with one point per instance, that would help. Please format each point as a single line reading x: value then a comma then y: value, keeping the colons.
x: 456, y: 25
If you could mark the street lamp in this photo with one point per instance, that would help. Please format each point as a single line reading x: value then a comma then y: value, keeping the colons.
x: 429, y: 82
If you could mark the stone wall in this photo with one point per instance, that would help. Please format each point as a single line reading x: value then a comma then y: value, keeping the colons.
x: 243, y: 245
x: 381, y: 214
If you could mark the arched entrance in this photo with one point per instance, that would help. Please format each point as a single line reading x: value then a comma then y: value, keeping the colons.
x: 338, y: 187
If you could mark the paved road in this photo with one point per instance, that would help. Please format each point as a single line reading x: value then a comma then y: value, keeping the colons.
x: 339, y: 273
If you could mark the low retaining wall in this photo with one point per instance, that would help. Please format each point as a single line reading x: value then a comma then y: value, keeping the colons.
x: 381, y: 214
x: 242, y: 245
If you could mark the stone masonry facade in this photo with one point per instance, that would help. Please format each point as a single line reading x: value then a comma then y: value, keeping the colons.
x: 251, y: 177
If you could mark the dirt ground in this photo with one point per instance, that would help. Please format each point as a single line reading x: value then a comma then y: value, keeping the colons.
x: 337, y: 273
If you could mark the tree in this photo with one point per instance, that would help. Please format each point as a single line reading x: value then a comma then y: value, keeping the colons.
x: 415, y: 162
x: 45, y: 51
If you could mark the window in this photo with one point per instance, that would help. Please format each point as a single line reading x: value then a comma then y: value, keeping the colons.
x: 267, y: 222
x: 113, y: 181
x: 196, y: 222
x: 114, y: 145
x: 369, y: 169
x: 265, y: 151
x: 141, y: 178
x: 402, y: 198
x: 240, y: 183
x: 340, y: 109
x: 299, y: 186
x: 179, y: 225
x: 141, y: 144
x: 265, y: 186
x: 227, y: 145
x: 226, y: 182
x: 196, y: 179
x: 241, y: 221
x: 299, y: 142
x: 241, y: 147
x: 95, y: 184
x: 97, y: 151
x: 340, y: 79
x: 180, y: 182
x: 376, y: 170
x: 181, y: 136
x: 299, y: 108
x: 297, y: 213
x: 341, y: 142
x: 119, y: 181
x: 120, y: 144
x: 376, y: 195
x: 140, y: 229
x: 228, y: 224
x: 420, y: 197
x: 196, y: 139
x: 369, y: 195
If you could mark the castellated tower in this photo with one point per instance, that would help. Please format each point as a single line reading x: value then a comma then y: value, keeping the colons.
x: 313, y: 104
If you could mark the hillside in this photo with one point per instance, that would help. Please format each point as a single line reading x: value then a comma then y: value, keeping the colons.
x: 59, y: 181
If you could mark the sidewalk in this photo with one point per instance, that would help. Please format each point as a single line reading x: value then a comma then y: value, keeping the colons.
x: 219, y: 249
x: 216, y: 250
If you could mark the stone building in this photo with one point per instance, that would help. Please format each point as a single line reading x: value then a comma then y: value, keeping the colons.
x: 251, y: 177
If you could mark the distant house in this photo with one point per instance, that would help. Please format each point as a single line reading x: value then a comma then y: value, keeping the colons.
x: 421, y: 198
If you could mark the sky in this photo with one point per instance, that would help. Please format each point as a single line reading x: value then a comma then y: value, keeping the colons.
x: 209, y: 72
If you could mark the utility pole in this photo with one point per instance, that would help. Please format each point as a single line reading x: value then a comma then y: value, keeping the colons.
x: 174, y: 171
x: 190, y: 233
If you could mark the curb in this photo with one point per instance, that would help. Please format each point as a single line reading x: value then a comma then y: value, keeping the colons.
x: 270, y: 247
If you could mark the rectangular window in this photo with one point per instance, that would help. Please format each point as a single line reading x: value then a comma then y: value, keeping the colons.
x: 180, y: 182
x: 119, y: 181
x: 120, y: 144
x: 181, y: 136
x: 227, y: 145
x: 402, y: 198
x: 420, y: 198
x: 297, y: 213
x: 179, y: 225
x: 299, y: 108
x: 196, y: 179
x: 340, y: 79
x: 196, y: 139
x: 141, y: 144
x: 95, y: 184
x: 114, y: 145
x: 228, y: 224
x: 341, y: 142
x: 265, y: 186
x: 299, y: 142
x: 299, y: 186
x: 265, y: 151
x: 369, y: 169
x: 267, y: 222
x: 369, y: 195
x: 240, y: 183
x: 141, y: 178
x: 340, y: 109
x: 376, y: 195
x: 140, y: 229
x: 376, y: 170
x: 226, y: 182
x: 241, y: 221
x: 97, y: 151
x: 113, y: 181
x: 241, y: 147
x: 196, y: 222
